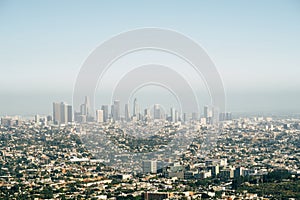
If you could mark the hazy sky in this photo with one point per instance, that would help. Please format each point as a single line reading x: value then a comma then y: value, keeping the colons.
x: 254, y: 44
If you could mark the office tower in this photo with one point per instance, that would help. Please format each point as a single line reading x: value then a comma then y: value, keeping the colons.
x: 63, y: 113
x: 112, y: 112
x: 147, y: 112
x: 176, y: 116
x: 147, y: 115
x: 105, y: 112
x: 36, y: 118
x: 7, y: 121
x: 206, y: 111
x: 228, y: 116
x: 49, y: 118
x: 208, y: 114
x: 215, y: 115
x: 69, y: 113
x: 172, y: 111
x: 99, y: 116
x: 56, y: 113
x: 238, y: 172
x: 184, y: 117
x: 83, y: 109
x: 215, y: 170
x: 116, y: 110
x: 136, y: 110
x: 222, y: 116
x: 127, y: 115
x: 149, y: 166
x: 156, y: 112
x: 87, y: 106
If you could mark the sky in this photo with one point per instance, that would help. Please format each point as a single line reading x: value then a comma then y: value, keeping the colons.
x: 255, y: 46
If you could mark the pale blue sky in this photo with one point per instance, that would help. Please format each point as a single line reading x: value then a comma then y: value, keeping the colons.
x: 254, y: 44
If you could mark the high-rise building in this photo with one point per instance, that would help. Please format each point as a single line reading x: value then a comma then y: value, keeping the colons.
x: 83, y: 109
x: 172, y: 111
x: 206, y: 111
x: 176, y: 116
x: 88, y: 106
x: 156, y: 112
x: 116, y: 110
x: 184, y: 117
x: 223, y: 116
x: 150, y: 166
x: 208, y: 114
x: 136, y: 111
x: 112, y: 112
x: 105, y: 112
x: 63, y: 113
x: 36, y: 118
x: 99, y: 116
x: 69, y: 114
x: 147, y: 112
x: 215, y: 115
x: 56, y: 113
x: 127, y: 114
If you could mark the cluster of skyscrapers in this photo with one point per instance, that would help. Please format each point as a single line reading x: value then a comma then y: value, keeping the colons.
x: 62, y: 113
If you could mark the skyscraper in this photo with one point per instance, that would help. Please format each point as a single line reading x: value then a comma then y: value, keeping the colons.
x: 150, y: 166
x: 56, y: 113
x: 206, y: 112
x: 88, y: 106
x: 116, y: 110
x: 112, y: 111
x: 172, y: 111
x: 99, y: 116
x: 69, y: 114
x: 136, y: 111
x: 127, y: 114
x: 156, y: 112
x: 105, y: 112
x: 184, y: 117
x: 83, y: 109
x: 63, y: 113
x: 176, y: 116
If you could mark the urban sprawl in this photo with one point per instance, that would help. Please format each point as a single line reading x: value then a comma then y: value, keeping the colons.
x: 148, y: 154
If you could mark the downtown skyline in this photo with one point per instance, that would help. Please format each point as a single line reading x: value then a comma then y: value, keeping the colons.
x: 256, y: 55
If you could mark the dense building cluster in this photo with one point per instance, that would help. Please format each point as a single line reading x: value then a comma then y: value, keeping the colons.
x: 155, y: 159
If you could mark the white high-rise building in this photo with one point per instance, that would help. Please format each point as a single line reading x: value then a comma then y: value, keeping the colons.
x: 176, y: 116
x: 99, y: 116
x: 173, y: 111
